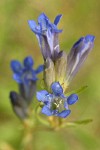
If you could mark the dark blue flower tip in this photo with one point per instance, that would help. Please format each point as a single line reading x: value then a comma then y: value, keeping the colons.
x: 13, y: 96
x: 28, y: 62
x: 16, y: 99
x: 57, y: 89
x: 16, y: 66
x: 89, y: 38
x: 86, y: 39
x: 57, y: 19
x: 64, y: 113
x: 73, y: 98
x: 78, y: 42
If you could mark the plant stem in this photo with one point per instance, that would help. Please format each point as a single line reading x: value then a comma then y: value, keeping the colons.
x: 28, y: 136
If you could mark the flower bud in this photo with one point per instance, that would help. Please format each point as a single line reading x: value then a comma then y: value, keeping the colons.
x: 19, y: 105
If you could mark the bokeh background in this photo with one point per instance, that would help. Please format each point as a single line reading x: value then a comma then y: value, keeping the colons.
x: 80, y: 18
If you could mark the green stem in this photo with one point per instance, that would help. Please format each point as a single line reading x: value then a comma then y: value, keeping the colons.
x: 28, y: 136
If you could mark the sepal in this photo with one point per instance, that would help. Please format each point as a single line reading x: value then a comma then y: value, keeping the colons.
x: 49, y: 73
x: 61, y: 69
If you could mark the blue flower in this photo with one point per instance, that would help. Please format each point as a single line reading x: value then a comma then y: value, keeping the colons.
x: 26, y: 77
x: 47, y: 35
x: 23, y: 73
x: 78, y: 54
x: 56, y: 103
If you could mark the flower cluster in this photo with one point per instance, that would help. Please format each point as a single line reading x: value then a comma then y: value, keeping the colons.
x: 59, y: 67
x: 26, y: 77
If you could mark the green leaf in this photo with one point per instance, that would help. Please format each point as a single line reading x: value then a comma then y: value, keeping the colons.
x: 81, y: 122
x: 75, y: 123
x: 77, y: 91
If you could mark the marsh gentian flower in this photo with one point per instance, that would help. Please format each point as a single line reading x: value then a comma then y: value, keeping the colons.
x: 58, y: 65
x: 47, y: 34
x: 56, y: 103
x: 59, y: 68
x: 26, y: 77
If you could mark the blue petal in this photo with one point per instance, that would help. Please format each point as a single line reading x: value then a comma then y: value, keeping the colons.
x: 64, y: 113
x: 89, y: 38
x: 17, y: 78
x: 57, y: 19
x: 39, y: 69
x: 43, y: 22
x: 46, y: 111
x: 16, y: 66
x: 46, y: 25
x: 41, y: 95
x: 73, y: 98
x: 33, y: 26
x: 49, y: 99
x: 28, y: 62
x: 57, y: 89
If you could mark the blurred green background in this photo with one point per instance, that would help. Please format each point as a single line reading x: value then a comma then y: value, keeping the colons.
x: 80, y: 18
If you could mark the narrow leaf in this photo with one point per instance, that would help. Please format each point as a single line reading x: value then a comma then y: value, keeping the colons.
x: 75, y: 123
x: 78, y: 91
x: 83, y: 121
